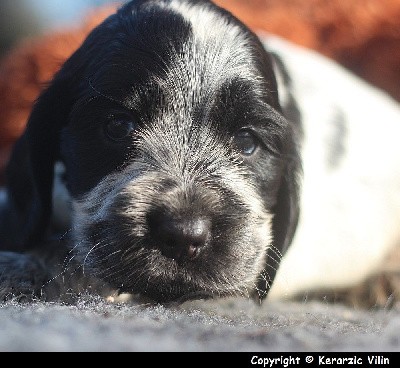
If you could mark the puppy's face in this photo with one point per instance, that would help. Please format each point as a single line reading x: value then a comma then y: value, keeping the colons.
x: 176, y: 153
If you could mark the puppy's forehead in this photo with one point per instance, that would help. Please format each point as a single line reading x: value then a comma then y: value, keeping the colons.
x: 192, y: 48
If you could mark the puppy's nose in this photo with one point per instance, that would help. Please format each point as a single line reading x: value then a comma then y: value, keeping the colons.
x: 180, y: 238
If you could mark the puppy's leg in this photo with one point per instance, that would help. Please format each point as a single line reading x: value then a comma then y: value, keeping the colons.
x: 49, y: 273
x: 379, y: 290
x: 22, y: 276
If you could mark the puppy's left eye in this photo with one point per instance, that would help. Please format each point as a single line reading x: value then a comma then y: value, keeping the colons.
x: 246, y: 142
x: 119, y: 129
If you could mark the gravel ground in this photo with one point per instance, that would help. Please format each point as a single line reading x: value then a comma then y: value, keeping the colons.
x: 92, y: 324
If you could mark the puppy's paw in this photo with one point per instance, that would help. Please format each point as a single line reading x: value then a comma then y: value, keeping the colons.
x: 379, y: 290
x: 22, y: 277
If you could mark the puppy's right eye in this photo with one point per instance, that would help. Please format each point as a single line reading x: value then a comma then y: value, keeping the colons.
x: 119, y: 129
x: 246, y: 142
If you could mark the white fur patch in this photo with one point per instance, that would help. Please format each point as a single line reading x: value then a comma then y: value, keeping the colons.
x: 350, y: 213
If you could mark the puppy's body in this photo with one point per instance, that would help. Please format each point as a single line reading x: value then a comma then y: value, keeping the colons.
x: 183, y: 167
x: 350, y: 193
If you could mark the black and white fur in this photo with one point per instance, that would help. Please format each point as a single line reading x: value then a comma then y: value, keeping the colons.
x: 348, y: 236
x: 198, y: 198
x: 206, y: 193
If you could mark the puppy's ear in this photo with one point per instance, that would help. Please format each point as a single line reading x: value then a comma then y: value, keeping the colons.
x: 284, y: 226
x: 26, y: 211
x: 286, y: 213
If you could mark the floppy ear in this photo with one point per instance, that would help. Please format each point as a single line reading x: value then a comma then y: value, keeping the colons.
x: 26, y: 211
x: 288, y: 209
x: 286, y: 213
x: 284, y: 225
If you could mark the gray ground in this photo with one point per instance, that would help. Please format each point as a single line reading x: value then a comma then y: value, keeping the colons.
x: 92, y: 324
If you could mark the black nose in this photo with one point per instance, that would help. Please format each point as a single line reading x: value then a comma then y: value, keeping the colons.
x: 181, y: 238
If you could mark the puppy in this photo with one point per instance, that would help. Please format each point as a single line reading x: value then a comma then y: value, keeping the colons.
x: 347, y: 244
x: 166, y: 159
x: 182, y: 169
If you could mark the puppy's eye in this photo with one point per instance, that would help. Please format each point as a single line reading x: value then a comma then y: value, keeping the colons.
x: 119, y: 129
x: 246, y: 142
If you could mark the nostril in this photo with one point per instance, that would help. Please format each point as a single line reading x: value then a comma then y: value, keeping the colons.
x: 180, y: 238
x: 193, y: 251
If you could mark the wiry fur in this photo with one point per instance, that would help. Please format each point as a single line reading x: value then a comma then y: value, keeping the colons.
x: 190, y: 77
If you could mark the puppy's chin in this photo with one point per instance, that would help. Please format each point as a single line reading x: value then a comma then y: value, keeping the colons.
x: 135, y: 264
x: 149, y: 273
x: 117, y: 243
x: 164, y: 280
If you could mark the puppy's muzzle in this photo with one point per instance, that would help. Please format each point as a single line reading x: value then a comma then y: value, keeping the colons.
x: 171, y: 226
